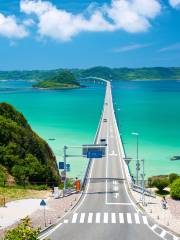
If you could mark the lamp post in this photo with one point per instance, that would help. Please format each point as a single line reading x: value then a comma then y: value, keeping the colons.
x: 137, y: 156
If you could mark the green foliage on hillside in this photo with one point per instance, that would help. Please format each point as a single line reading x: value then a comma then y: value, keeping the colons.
x: 175, y: 189
x: 154, y: 73
x: 22, y: 152
x: 61, y: 80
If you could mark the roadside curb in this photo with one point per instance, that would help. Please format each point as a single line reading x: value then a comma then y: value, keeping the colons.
x: 60, y: 219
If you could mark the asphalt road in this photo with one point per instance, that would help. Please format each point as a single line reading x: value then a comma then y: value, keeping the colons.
x: 105, y: 210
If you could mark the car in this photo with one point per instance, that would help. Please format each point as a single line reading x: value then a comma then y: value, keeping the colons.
x: 103, y: 141
x: 104, y: 120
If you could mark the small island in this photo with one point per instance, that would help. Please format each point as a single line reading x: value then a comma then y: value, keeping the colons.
x: 62, y: 80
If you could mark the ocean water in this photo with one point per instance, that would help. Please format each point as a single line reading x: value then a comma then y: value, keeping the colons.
x: 151, y: 108
x: 70, y: 117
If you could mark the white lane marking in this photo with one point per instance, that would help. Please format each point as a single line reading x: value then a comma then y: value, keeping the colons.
x: 136, y: 215
x: 163, y: 233
x: 106, y: 217
x: 66, y: 221
x: 116, y: 195
x: 90, y: 217
x: 154, y: 227
x: 82, y: 218
x: 98, y: 217
x: 117, y: 203
x: 121, y: 218
x: 51, y: 231
x: 113, y: 217
x: 145, y: 219
x: 115, y: 188
x: 129, y: 219
x: 74, y: 219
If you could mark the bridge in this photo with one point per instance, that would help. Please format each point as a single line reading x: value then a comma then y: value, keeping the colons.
x: 106, y: 209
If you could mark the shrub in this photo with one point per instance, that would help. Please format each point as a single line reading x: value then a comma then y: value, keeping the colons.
x: 23, y: 231
x: 175, y: 189
x: 160, y: 183
x: 172, y: 177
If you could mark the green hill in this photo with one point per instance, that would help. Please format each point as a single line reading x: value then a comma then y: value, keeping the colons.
x: 46, y: 76
x: 62, y: 80
x: 22, y: 152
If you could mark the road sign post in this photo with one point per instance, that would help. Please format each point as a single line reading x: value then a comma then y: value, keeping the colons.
x: 65, y: 154
x: 43, y: 204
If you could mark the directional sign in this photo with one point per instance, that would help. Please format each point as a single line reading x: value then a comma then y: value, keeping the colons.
x: 42, y: 203
x: 94, y: 150
x: 94, y: 154
x: 68, y: 167
x: 61, y: 165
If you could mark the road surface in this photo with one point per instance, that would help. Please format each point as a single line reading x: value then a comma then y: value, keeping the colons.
x: 106, y: 210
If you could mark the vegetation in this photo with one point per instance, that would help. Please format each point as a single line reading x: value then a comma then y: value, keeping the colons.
x: 172, y: 177
x: 160, y: 183
x: 155, y: 73
x: 11, y: 193
x: 23, y: 231
x: 62, y: 80
x: 23, y: 154
x: 175, y: 189
x: 171, y: 181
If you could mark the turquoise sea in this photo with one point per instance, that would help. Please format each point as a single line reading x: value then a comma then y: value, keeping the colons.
x: 151, y: 108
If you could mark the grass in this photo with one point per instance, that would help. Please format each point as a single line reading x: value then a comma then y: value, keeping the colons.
x: 17, y: 192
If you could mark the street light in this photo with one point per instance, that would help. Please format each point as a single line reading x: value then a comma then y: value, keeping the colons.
x: 137, y: 155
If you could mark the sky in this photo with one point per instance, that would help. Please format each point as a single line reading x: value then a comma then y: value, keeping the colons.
x: 51, y: 34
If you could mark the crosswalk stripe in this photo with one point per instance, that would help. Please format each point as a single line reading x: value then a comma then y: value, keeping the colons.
x: 136, y: 215
x: 145, y: 219
x: 163, y: 233
x: 74, y: 219
x: 113, y: 217
x: 82, y: 217
x: 129, y: 219
x: 90, y: 217
x: 106, y: 217
x: 154, y: 226
x: 98, y: 216
x: 121, y: 218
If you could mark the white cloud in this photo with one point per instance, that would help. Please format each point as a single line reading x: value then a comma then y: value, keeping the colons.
x: 10, y: 28
x: 174, y: 3
x: 130, y: 47
x: 129, y: 15
x: 172, y: 47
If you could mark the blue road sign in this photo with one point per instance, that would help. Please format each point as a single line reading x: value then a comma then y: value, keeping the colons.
x: 94, y: 154
x: 43, y: 203
x: 68, y: 167
x: 61, y: 165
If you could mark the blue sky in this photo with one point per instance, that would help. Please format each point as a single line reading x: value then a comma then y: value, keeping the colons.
x: 37, y: 34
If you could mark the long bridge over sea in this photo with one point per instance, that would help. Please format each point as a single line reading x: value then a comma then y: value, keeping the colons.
x: 106, y: 209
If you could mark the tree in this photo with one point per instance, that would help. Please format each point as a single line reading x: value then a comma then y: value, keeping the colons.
x: 160, y: 183
x: 172, y: 177
x: 175, y: 189
x: 23, y: 231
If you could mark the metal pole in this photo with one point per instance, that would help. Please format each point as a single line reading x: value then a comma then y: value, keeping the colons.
x: 137, y: 160
x: 45, y: 216
x: 143, y: 175
x: 65, y: 148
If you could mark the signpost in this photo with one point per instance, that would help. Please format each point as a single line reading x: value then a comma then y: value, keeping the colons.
x: 43, y: 204
x: 61, y: 165
x: 89, y: 151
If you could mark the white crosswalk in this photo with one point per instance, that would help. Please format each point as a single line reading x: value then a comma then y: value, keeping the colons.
x: 107, y: 218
